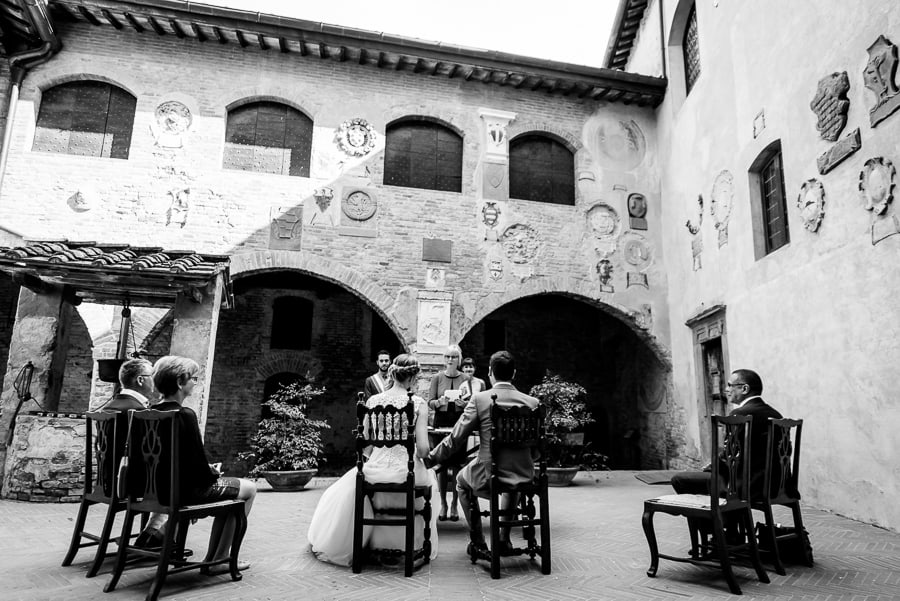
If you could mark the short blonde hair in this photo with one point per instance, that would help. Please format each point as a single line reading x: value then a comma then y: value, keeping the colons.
x: 171, y: 371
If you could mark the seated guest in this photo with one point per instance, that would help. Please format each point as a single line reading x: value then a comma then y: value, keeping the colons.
x: 175, y: 378
x: 136, y: 379
x: 330, y: 533
x: 517, y: 465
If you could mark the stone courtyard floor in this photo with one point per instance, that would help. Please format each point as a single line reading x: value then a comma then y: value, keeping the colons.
x: 599, y: 552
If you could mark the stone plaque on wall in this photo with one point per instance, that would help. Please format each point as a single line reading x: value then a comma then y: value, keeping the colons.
x: 433, y: 321
x: 434, y: 249
x: 285, y: 228
x: 833, y: 157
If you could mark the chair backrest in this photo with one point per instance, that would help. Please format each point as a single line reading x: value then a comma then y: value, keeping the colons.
x: 385, y: 426
x: 517, y: 428
x: 153, y: 471
x: 105, y: 433
x: 732, y: 462
x: 783, y: 459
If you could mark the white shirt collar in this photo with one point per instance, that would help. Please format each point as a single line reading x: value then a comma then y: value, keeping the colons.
x: 749, y: 398
x: 135, y: 394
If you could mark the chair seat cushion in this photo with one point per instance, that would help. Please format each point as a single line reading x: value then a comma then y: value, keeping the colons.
x: 696, y: 501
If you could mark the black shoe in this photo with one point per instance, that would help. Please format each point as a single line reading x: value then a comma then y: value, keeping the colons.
x: 505, y: 548
x: 478, y: 550
x: 150, y: 540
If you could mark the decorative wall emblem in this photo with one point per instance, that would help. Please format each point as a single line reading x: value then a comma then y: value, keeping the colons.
x: 494, y: 174
x: 720, y: 203
x: 79, y: 202
x: 356, y: 137
x: 495, y: 132
x: 636, y: 252
x: 833, y: 157
x: 286, y: 222
x: 521, y: 243
x: 490, y: 214
x: 603, y: 220
x: 696, y: 249
x: 879, y: 77
x: 172, y: 120
x: 637, y: 211
x: 621, y: 144
x: 359, y: 205
x: 876, y: 184
x: 322, y: 214
x: 830, y: 105
x: 636, y: 278
x: 435, y: 278
x: 759, y: 123
x: 495, y: 269
x: 179, y: 206
x: 604, y: 273
x: 433, y: 321
x: 694, y: 227
x: 811, y: 203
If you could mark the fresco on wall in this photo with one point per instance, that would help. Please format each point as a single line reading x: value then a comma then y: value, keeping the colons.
x: 617, y: 144
x: 720, y: 203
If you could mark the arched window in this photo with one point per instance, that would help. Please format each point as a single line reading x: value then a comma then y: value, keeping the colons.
x: 768, y: 202
x: 268, y: 137
x: 690, y: 46
x: 540, y: 168
x: 85, y: 118
x: 292, y: 318
x: 422, y: 154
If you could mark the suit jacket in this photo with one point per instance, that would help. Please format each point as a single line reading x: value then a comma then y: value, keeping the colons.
x: 371, y: 387
x: 123, y: 402
x: 760, y: 413
x: 516, y: 465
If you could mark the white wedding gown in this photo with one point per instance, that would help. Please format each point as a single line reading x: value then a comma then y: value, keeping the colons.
x: 330, y: 533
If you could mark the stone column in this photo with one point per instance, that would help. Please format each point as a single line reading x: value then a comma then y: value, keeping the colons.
x: 40, y: 335
x: 196, y: 321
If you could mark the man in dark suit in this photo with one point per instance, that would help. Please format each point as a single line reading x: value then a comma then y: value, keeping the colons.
x: 378, y: 382
x: 136, y: 378
x: 743, y: 389
x: 517, y: 465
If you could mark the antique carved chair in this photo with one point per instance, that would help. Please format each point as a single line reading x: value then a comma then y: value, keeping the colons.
x: 728, y: 502
x: 782, y: 475
x: 153, y: 486
x: 518, y: 428
x: 104, y: 444
x: 388, y: 426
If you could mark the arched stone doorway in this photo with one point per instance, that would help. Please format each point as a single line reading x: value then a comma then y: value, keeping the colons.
x: 580, y: 340
x: 289, y: 325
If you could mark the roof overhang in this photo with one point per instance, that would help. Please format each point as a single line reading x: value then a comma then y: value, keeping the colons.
x: 314, y: 40
x: 116, y: 273
x: 625, y: 27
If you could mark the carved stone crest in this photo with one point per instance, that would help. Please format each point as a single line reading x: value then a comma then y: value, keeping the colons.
x: 286, y: 222
x: 603, y: 220
x: 811, y: 203
x: 79, y: 202
x: 435, y: 278
x: 359, y: 205
x: 172, y: 119
x: 178, y: 207
x: 879, y: 77
x: 636, y: 252
x: 636, y: 278
x: 604, y: 273
x: 356, y: 137
x: 876, y: 184
x: 521, y: 243
x: 637, y: 211
x: 490, y: 214
x: 830, y: 105
x: 694, y: 227
x: 495, y: 269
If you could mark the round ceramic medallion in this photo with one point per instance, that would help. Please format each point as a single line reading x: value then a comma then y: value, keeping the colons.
x: 603, y: 220
x: 356, y: 137
x: 359, y: 206
x: 173, y: 117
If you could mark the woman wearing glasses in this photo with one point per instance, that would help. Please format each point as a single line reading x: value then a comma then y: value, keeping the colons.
x: 445, y: 399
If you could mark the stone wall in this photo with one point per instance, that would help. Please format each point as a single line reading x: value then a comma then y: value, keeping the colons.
x: 45, y: 462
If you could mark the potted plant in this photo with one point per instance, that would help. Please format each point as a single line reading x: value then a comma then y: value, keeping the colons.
x: 287, y: 447
x: 567, y: 414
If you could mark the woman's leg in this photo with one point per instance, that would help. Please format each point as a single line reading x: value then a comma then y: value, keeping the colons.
x: 223, y: 528
x: 442, y: 487
x: 454, y: 514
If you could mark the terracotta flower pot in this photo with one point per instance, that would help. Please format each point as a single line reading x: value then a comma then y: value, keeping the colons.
x: 561, y: 476
x: 289, y: 480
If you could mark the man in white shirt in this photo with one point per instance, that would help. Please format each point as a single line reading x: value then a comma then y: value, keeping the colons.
x: 378, y: 382
x: 136, y: 378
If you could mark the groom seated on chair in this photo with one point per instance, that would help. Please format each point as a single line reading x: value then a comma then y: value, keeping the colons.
x: 517, y: 465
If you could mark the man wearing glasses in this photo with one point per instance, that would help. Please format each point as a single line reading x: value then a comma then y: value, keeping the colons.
x: 743, y: 390
x: 136, y: 378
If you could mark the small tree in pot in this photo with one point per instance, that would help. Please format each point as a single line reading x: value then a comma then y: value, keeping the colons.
x: 287, y: 447
x: 567, y: 414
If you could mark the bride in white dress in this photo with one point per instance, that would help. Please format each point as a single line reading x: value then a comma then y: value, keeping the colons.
x: 330, y: 533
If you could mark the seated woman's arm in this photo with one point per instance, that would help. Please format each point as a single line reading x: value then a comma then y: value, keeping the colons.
x: 422, y: 445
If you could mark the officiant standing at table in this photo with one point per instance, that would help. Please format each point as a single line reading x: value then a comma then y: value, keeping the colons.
x: 445, y: 399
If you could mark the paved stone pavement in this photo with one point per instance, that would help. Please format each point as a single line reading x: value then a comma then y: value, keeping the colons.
x: 599, y: 552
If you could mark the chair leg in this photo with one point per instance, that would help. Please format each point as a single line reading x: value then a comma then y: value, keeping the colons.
x: 725, y: 558
x: 776, y: 555
x: 357, y: 533
x: 76, y: 534
x: 410, y: 535
x: 162, y: 567
x: 122, y: 554
x: 495, y: 535
x: 426, y: 530
x: 545, y: 534
x: 754, y: 548
x: 650, y: 533
x: 801, y: 533
x: 103, y: 543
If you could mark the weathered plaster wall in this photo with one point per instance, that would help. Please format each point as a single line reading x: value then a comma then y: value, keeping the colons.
x: 818, y: 319
x: 46, y: 460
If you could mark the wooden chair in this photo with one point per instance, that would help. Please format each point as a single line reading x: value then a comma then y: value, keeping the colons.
x: 782, y: 475
x: 522, y: 429
x: 729, y: 499
x: 104, y: 444
x: 154, y: 486
x: 387, y: 426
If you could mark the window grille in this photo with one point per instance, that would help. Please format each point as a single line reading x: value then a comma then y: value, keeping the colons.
x: 421, y: 154
x: 268, y: 137
x: 691, y: 48
x: 541, y: 169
